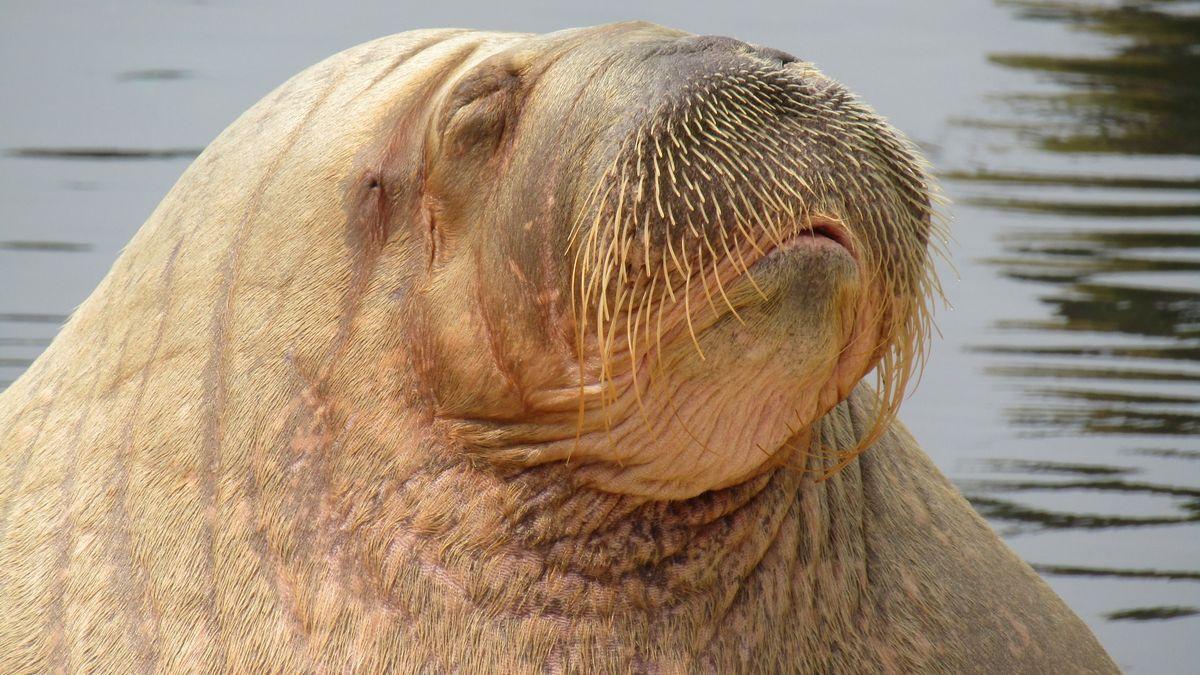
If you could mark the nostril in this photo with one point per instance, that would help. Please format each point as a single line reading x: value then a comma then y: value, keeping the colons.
x: 694, y: 44
x: 783, y: 57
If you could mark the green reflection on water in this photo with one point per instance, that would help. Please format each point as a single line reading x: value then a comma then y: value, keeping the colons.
x: 1100, y: 99
x: 1013, y: 511
x: 1049, y: 179
x: 1142, y: 97
x: 1129, y: 310
x: 1152, y: 613
x: 1109, y: 354
x: 1083, y: 571
x: 1101, y: 209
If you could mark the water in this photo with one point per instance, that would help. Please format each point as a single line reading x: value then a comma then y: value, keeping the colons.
x: 1064, y: 394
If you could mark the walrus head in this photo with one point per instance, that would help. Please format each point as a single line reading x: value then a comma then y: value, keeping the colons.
x: 658, y: 257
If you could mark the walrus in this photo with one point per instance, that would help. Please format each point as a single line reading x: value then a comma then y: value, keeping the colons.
x: 486, y: 352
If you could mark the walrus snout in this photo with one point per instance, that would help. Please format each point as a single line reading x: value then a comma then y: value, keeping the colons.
x: 738, y: 148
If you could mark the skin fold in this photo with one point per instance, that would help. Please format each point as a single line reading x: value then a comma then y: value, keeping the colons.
x: 488, y: 352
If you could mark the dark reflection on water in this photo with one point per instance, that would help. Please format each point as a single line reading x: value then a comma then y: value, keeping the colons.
x: 1019, y: 515
x: 1114, y: 256
x: 1075, y: 256
x: 1142, y: 97
x: 154, y: 74
x: 1152, y: 613
x: 105, y: 153
x: 1106, y: 420
x: 1113, y: 308
x: 1094, y: 478
x: 56, y: 246
x: 1069, y: 570
x: 1087, y: 208
x: 21, y: 317
x: 1056, y: 468
x: 1049, y: 179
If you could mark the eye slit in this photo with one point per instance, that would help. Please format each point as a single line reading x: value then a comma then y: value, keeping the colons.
x: 485, y: 85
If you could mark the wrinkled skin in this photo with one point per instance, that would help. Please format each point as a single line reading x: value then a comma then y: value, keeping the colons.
x: 390, y: 380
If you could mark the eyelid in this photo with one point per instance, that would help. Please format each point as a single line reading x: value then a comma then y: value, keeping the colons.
x: 483, y: 85
x: 481, y: 109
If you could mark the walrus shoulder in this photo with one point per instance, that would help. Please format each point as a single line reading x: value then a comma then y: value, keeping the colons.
x: 937, y: 568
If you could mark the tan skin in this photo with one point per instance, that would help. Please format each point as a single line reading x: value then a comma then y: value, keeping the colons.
x: 393, y: 379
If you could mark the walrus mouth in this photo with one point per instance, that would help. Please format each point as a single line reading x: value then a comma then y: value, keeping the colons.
x: 820, y: 232
x: 817, y: 234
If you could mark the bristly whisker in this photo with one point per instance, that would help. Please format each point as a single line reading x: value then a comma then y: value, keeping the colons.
x: 732, y: 168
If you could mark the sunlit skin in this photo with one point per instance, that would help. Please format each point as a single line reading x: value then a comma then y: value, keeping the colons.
x: 487, y: 352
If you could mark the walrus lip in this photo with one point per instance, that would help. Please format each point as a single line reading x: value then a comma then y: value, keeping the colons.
x: 817, y: 233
